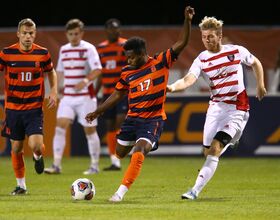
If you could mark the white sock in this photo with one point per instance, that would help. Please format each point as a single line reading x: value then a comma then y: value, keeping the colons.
x: 122, y: 190
x: 115, y: 161
x: 36, y: 157
x: 206, y: 173
x: 94, y: 149
x: 58, y: 145
x: 21, y: 183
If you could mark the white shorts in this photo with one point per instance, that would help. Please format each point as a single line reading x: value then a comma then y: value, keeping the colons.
x: 224, y: 117
x: 70, y: 107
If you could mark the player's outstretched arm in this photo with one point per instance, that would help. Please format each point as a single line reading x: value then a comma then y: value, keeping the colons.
x: 182, y: 84
x: 185, y: 35
x: 112, y: 100
x: 258, y: 69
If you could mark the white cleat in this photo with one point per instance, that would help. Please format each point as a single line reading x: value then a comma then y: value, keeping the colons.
x: 90, y: 171
x: 53, y: 170
x: 191, y: 194
x: 115, y: 198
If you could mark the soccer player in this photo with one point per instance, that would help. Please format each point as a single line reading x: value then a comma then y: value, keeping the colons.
x: 25, y: 64
x: 228, y: 112
x: 112, y: 58
x: 79, y: 63
x: 144, y: 80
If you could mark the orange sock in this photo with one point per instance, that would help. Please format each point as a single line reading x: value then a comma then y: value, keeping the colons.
x: 18, y: 164
x: 133, y: 169
x: 111, y: 142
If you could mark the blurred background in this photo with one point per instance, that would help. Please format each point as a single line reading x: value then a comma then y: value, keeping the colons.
x: 252, y: 25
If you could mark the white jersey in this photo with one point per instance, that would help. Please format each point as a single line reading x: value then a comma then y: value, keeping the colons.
x: 76, y: 62
x: 224, y: 74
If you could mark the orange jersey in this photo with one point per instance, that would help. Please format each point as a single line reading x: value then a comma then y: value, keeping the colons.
x: 147, y: 86
x: 113, y: 60
x: 24, y: 79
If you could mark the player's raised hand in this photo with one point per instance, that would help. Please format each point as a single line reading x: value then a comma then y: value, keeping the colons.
x: 189, y: 12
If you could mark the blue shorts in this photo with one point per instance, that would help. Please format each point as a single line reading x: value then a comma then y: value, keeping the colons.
x: 20, y: 123
x: 132, y: 130
x: 120, y: 108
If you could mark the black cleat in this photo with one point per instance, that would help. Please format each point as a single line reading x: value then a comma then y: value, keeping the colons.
x: 39, y: 165
x: 112, y: 168
x: 18, y: 191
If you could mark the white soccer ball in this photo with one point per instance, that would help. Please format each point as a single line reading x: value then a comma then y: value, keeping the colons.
x: 82, y: 189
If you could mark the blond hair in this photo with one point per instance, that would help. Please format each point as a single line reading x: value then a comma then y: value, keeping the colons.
x: 26, y: 22
x: 211, y: 23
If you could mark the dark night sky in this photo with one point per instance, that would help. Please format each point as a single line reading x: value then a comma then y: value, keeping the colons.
x: 133, y: 12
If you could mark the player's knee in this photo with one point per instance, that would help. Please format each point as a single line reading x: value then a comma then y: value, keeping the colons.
x: 223, y: 138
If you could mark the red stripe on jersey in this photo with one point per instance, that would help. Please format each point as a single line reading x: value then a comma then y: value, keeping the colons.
x: 225, y: 94
x: 221, y: 65
x: 231, y: 83
x: 221, y: 76
x: 69, y: 58
x: 220, y: 55
x: 74, y: 50
x: 74, y: 68
x: 75, y: 77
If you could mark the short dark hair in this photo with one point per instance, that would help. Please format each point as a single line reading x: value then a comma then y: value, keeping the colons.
x: 136, y: 44
x: 74, y: 23
x: 112, y: 23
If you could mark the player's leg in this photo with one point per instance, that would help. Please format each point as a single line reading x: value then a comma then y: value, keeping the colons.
x: 14, y: 130
x: 229, y: 125
x: 93, y: 141
x: 147, y: 136
x: 65, y: 116
x: 18, y: 167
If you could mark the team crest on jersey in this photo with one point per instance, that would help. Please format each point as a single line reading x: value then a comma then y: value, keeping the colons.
x: 153, y: 69
x: 37, y: 64
x: 81, y: 54
x: 230, y: 57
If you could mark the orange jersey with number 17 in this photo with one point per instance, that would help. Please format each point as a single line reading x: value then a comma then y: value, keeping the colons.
x: 147, y: 86
x: 24, y: 76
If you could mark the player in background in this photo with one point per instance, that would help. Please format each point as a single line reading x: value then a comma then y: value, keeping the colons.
x: 228, y: 112
x: 79, y: 64
x: 25, y: 65
x: 144, y: 80
x: 113, y: 59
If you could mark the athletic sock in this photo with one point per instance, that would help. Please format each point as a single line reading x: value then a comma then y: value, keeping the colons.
x: 133, y: 169
x: 206, y: 173
x: 94, y: 149
x: 58, y: 145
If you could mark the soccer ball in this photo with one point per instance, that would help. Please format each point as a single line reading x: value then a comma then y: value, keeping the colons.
x: 82, y: 189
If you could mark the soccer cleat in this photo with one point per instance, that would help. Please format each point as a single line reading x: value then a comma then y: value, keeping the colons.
x: 115, y: 198
x: 112, y: 168
x: 90, y: 171
x: 52, y: 170
x: 39, y: 165
x: 18, y: 191
x: 191, y: 194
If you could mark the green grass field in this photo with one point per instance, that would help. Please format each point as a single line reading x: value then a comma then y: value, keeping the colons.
x: 242, y: 188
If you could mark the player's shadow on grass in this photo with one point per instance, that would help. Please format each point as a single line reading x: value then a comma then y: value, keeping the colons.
x: 211, y: 199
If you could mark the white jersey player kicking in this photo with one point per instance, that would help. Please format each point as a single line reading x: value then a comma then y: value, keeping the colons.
x: 228, y: 112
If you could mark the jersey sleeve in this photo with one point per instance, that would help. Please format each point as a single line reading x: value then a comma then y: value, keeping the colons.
x: 93, y: 59
x: 246, y: 57
x: 122, y: 84
x: 167, y: 58
x: 196, y: 68
x: 2, y: 61
x: 48, y: 64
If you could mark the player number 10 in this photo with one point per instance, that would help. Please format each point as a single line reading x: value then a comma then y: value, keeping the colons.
x: 26, y: 76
